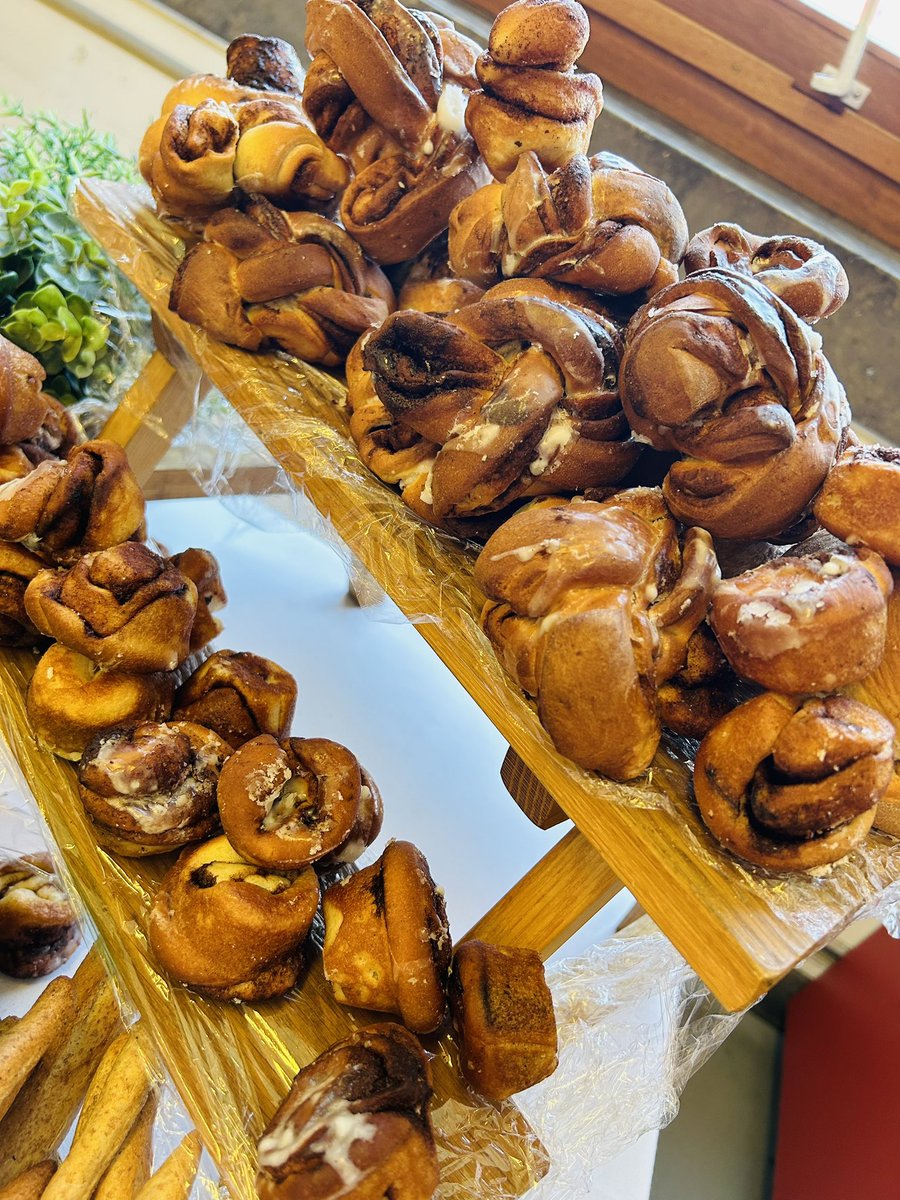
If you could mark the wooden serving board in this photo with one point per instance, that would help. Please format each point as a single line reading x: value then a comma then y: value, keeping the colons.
x: 233, y: 1063
x: 740, y: 929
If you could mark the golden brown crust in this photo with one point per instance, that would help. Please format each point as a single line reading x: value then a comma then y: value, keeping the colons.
x: 238, y: 695
x: 124, y: 608
x: 23, y: 406
x: 354, y: 1124
x: 302, y: 801
x: 503, y: 1012
x: 430, y: 285
x: 201, y: 567
x: 70, y: 700
x: 803, y: 273
x: 720, y: 370
x: 860, y: 499
x: 229, y: 929
x: 802, y: 625
x: 31, y: 1183
x: 590, y: 608
x: 789, y: 784
x: 68, y: 508
x: 702, y: 692
x: 600, y: 223
x: 38, y: 926
x: 387, y: 943
x: 151, y: 787
x: 18, y: 567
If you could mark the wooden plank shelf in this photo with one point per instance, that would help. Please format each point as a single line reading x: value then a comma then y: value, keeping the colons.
x: 740, y: 929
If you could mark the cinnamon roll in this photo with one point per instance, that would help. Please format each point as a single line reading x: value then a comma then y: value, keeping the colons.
x: 790, y: 784
x: 23, y: 406
x: 503, y: 1014
x: 151, y: 787
x: 124, y: 608
x: 355, y: 1124
x: 267, y: 63
x: 229, y: 929
x: 302, y: 801
x: 239, y: 696
x: 807, y: 277
x: 70, y: 700
x: 590, y: 608
x: 532, y: 97
x: 599, y: 222
x: 387, y: 943
x: 201, y: 567
x: 701, y: 692
x: 18, y: 567
x: 38, y: 926
x: 805, y: 624
x: 64, y: 509
x: 860, y: 499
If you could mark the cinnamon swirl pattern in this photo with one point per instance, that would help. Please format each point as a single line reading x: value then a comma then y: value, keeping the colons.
x: 239, y: 696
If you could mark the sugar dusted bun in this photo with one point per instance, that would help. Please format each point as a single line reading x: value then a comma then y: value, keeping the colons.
x: 355, y: 1124
x: 228, y: 929
x: 860, y: 499
x: 802, y: 625
x: 387, y: 943
x: 790, y: 784
x: 38, y: 927
x: 503, y: 1013
x: 238, y: 695
x: 70, y: 700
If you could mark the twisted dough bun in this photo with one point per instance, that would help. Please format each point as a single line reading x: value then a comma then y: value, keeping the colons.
x: 601, y: 223
x: 532, y: 97
x: 860, y: 499
x: 790, y: 784
x: 201, y: 567
x: 807, y: 277
x: 151, y: 787
x: 124, y: 608
x: 228, y: 929
x: 302, y: 801
x: 519, y: 391
x: 38, y: 926
x: 590, y: 608
x: 23, y: 406
x: 64, y: 509
x: 296, y: 279
x: 802, y: 625
x: 354, y: 1125
x: 70, y: 700
x: 503, y: 1012
x: 387, y: 942
x: 18, y: 567
x: 702, y: 692
x: 239, y: 696
x: 720, y: 370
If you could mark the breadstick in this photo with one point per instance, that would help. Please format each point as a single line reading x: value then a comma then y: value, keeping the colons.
x: 175, y: 1178
x: 47, y: 1103
x: 130, y: 1169
x: 22, y: 1048
x: 115, y: 1097
x: 30, y: 1184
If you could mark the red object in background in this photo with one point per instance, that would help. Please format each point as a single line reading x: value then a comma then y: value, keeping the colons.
x: 839, y: 1115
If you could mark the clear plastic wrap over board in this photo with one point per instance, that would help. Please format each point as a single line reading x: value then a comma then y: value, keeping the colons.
x: 23, y: 832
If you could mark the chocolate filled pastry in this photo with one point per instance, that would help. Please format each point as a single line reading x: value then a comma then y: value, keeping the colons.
x: 860, y: 499
x: 809, y: 624
x: 38, y: 927
x: 519, y: 391
x: 790, y: 784
x: 151, y: 787
x: 599, y: 223
x: 532, y: 97
x: 807, y: 277
x: 64, y: 509
x: 503, y: 1013
x: 590, y: 609
x: 124, y: 608
x: 239, y: 696
x: 702, y: 692
x: 354, y: 1125
x: 23, y: 406
x: 70, y: 700
x: 229, y: 929
x: 294, y: 279
x: 302, y: 801
x: 18, y: 567
x: 387, y: 943
x: 201, y: 567
x: 719, y: 370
